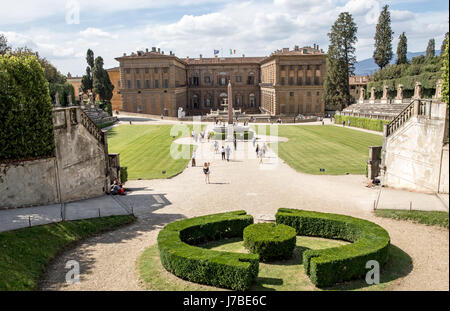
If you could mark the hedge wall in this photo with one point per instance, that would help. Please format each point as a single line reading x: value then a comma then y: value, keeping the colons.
x: 26, y: 127
x: 180, y: 256
x: 364, y: 123
x: 270, y: 241
x: 326, y: 267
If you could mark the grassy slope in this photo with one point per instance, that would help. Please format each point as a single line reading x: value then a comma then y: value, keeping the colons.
x: 279, y: 275
x: 145, y: 150
x: 337, y: 150
x: 431, y: 218
x: 25, y: 253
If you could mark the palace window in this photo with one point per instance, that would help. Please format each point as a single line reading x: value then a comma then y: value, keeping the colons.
x: 316, y: 81
x: 195, y: 101
x: 291, y: 80
x: 250, y: 80
x: 308, y: 81
x: 318, y: 93
x: 252, y: 100
x: 156, y: 84
x: 208, y: 79
x: 282, y: 81
x: 156, y: 70
x: 147, y: 84
x: 291, y: 94
x: 137, y: 70
x: 127, y: 70
x: 146, y: 70
x: 195, y: 81
x: 238, y: 101
x: 166, y: 83
x: 138, y: 84
x: 118, y: 83
x: 208, y: 102
x: 238, y: 79
x: 165, y: 69
x: 223, y: 81
x: 128, y: 84
x: 299, y: 81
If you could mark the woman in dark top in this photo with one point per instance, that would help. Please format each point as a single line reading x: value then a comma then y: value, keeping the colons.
x: 206, y: 171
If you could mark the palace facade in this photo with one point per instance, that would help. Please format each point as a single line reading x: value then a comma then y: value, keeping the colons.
x: 288, y: 82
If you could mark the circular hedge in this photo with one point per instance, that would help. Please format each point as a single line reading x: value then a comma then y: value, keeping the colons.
x: 270, y: 241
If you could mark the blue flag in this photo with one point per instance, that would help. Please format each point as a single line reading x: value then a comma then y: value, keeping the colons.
x: 216, y: 52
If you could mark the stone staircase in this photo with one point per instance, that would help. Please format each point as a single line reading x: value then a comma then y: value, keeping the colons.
x: 98, y: 116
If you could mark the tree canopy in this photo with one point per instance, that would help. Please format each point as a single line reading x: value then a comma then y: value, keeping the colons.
x: 383, y: 39
x: 402, y: 50
x: 430, y: 48
x: 340, y: 62
x: 445, y: 73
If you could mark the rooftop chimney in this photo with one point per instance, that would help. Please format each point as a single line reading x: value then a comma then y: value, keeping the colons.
x: 146, y: 50
x: 243, y: 55
x: 153, y: 49
x: 124, y: 54
x: 170, y: 52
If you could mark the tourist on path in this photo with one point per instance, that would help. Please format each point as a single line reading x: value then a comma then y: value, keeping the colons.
x: 257, y: 149
x: 206, y: 171
x: 264, y: 149
x: 348, y: 122
x: 343, y: 123
x: 227, y: 151
x: 235, y: 143
x: 216, y: 147
x: 223, y: 153
x: 260, y: 156
x: 193, y: 159
x: 254, y: 141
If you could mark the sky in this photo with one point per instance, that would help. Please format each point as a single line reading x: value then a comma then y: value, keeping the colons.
x: 62, y: 30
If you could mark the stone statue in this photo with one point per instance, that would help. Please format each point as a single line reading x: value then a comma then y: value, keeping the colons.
x: 438, y: 93
x: 385, y: 92
x: 399, y: 92
x: 418, y: 90
x: 362, y: 95
x: 372, y: 93
x: 57, y: 104
x: 69, y: 99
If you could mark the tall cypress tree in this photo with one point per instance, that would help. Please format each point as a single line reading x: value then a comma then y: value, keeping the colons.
x: 87, y: 81
x: 444, y: 44
x: 445, y: 73
x: 430, y: 48
x: 102, y: 84
x: 383, y: 39
x: 402, y: 50
x: 340, y: 62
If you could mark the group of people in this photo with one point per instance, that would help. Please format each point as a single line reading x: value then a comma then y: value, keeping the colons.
x: 117, y: 188
x: 261, y: 152
x: 200, y: 136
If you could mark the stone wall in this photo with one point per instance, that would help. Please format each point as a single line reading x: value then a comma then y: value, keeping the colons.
x: 413, y: 148
x: 79, y: 170
x: 444, y: 180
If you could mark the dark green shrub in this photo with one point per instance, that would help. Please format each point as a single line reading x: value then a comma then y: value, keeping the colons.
x: 123, y: 174
x: 326, y: 267
x: 270, y: 241
x: 365, y: 123
x: 180, y: 256
x: 26, y: 126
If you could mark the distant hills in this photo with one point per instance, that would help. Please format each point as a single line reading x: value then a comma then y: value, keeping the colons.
x: 367, y: 66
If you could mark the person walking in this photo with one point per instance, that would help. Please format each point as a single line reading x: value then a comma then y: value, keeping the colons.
x: 343, y: 123
x: 257, y: 149
x: 193, y: 159
x: 227, y: 151
x: 216, y: 147
x: 348, y: 122
x: 235, y: 144
x: 264, y: 149
x: 223, y: 153
x: 206, y: 171
x: 254, y: 141
x: 260, y: 155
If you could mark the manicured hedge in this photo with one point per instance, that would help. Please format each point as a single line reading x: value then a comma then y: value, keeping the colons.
x: 326, y: 267
x: 270, y: 241
x: 180, y: 256
x: 26, y: 126
x: 364, y: 123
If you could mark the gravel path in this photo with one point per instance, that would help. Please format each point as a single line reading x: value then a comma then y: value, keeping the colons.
x: 108, y: 262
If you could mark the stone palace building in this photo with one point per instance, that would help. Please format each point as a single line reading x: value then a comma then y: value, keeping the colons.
x: 288, y: 82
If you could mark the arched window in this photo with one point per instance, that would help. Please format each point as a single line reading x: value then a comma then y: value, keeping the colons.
x: 195, y: 101
x: 252, y: 100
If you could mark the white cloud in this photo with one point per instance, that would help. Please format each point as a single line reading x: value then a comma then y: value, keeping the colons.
x: 96, y: 33
x: 253, y: 28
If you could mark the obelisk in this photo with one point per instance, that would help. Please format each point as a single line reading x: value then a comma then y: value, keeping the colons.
x: 230, y: 103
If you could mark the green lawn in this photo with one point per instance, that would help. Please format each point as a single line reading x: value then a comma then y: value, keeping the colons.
x: 283, y: 275
x: 25, y: 253
x: 431, y: 218
x: 145, y: 150
x: 337, y: 150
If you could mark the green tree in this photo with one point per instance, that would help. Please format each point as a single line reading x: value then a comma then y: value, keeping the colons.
x: 340, y: 62
x: 444, y: 43
x: 402, y: 50
x: 383, y: 39
x: 445, y: 69
x: 102, y: 84
x: 4, y: 47
x: 26, y: 126
x: 87, y: 81
x: 430, y: 48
